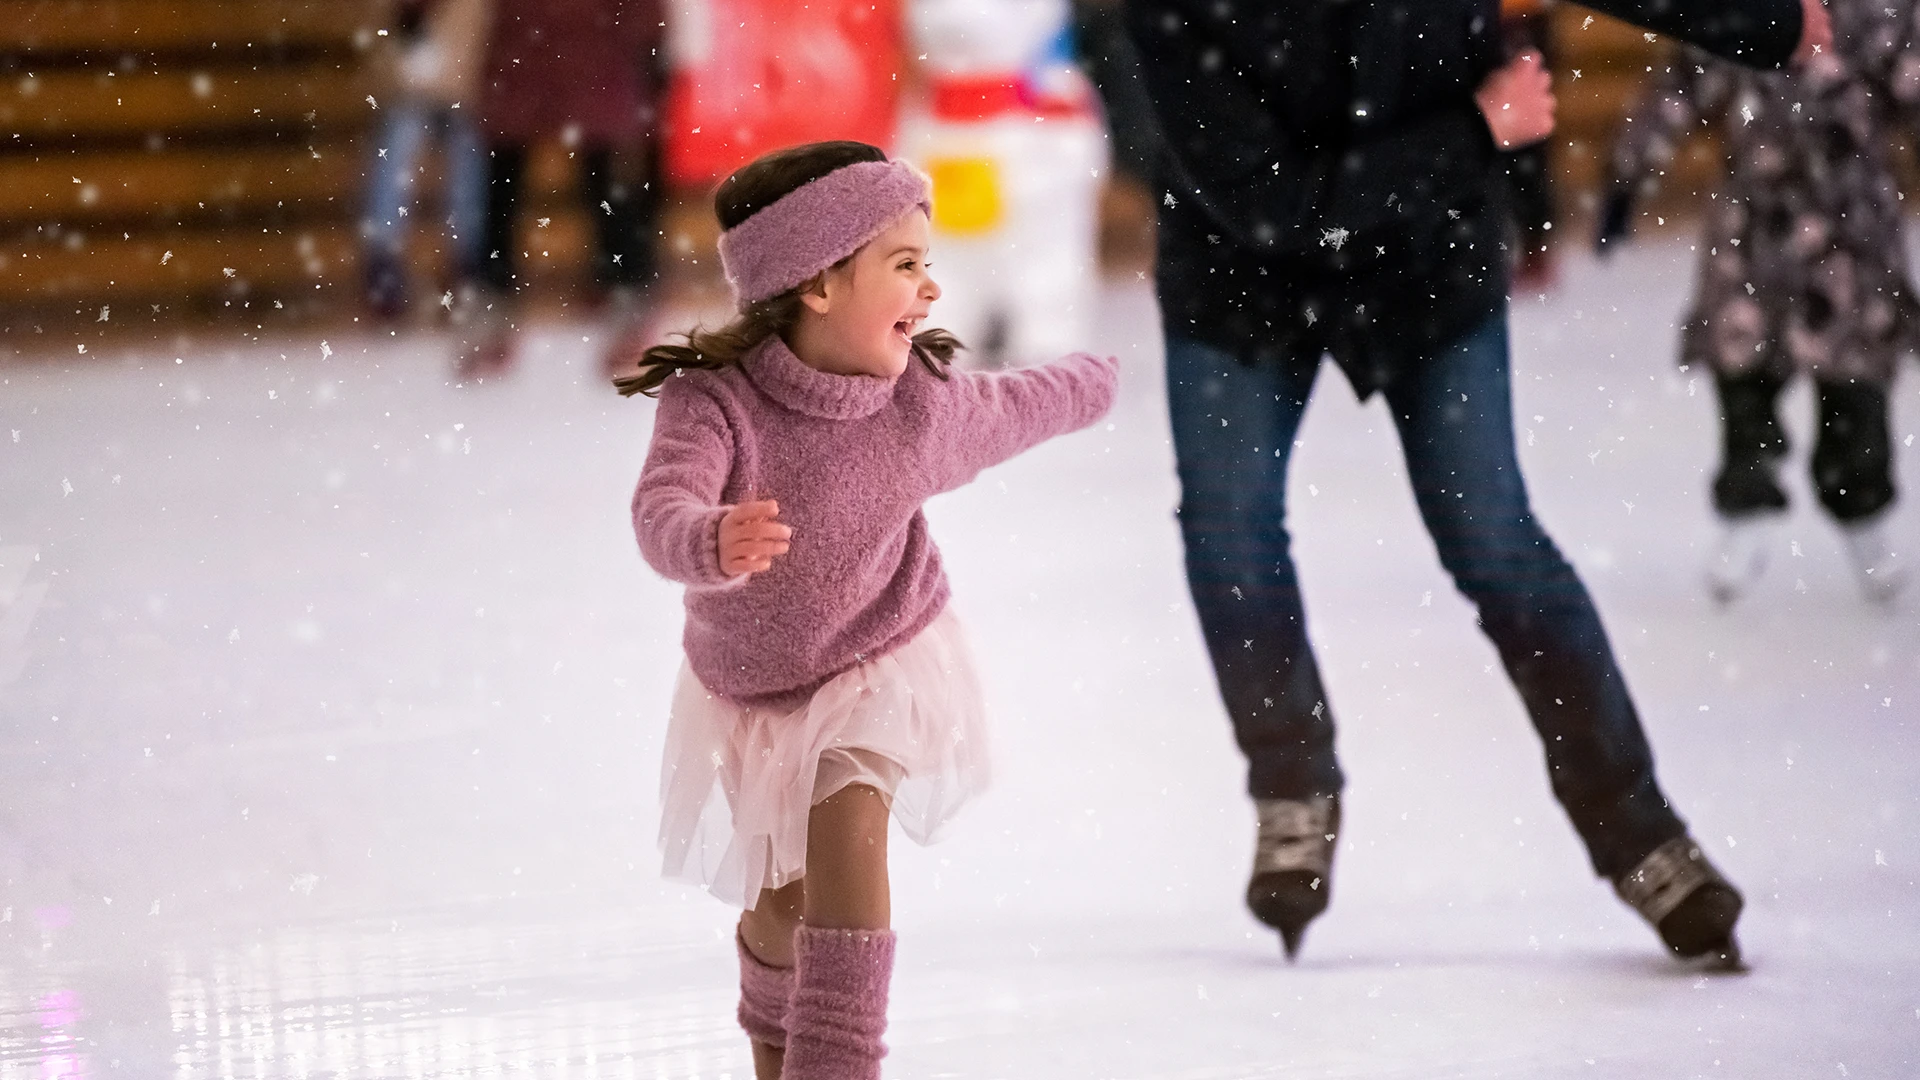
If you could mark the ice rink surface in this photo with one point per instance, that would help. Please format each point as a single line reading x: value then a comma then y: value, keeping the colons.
x: 331, y: 697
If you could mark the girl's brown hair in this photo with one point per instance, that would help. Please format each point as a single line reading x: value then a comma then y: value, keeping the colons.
x: 754, y: 185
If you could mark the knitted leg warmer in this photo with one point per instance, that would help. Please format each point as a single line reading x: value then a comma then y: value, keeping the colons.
x: 765, y: 994
x: 839, y: 1004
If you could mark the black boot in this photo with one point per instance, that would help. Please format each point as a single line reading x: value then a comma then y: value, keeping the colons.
x: 1687, y: 901
x: 1293, y: 864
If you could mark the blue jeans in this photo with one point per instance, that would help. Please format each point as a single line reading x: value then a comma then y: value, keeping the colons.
x: 405, y: 126
x: 1233, y: 429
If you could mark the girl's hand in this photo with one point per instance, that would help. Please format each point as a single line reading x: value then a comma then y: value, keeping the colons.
x: 1517, y: 101
x: 750, y: 538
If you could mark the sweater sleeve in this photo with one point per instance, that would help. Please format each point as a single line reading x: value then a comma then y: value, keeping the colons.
x: 989, y: 417
x: 676, y: 507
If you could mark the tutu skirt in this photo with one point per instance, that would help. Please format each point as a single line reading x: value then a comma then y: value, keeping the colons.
x: 738, y: 781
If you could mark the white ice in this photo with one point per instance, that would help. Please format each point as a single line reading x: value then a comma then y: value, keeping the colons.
x: 334, y: 747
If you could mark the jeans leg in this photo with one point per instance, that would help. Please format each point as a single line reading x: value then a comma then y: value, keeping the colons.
x: 619, y: 190
x: 1853, y: 454
x: 1233, y: 429
x: 396, y: 160
x: 466, y: 186
x: 506, y: 172
x: 1455, y: 416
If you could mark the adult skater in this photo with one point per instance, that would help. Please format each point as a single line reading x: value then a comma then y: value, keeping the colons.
x: 1803, y: 269
x: 1325, y: 190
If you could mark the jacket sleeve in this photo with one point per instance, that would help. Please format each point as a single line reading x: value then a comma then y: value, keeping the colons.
x: 676, y: 507
x: 1253, y: 175
x: 1691, y: 89
x: 989, y: 417
x: 1756, y: 33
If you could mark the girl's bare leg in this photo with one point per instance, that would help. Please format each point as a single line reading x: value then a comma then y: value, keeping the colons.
x: 844, y: 948
x: 767, y: 931
x: 846, y: 880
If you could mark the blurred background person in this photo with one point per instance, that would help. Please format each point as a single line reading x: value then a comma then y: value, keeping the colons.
x: 1803, y: 271
x: 435, y: 73
x: 1527, y: 26
x: 585, y: 72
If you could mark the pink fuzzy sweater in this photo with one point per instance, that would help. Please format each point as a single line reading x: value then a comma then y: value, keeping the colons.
x: 850, y: 458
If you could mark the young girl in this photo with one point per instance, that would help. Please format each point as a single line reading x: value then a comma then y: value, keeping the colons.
x: 825, y: 685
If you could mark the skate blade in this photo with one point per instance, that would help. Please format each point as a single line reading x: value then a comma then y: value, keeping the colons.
x: 1724, y: 960
x: 1290, y: 939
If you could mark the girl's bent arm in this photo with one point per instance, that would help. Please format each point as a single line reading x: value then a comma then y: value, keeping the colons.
x: 994, y: 416
x: 677, y: 508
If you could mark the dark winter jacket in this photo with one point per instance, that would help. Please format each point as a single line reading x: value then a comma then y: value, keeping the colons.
x: 1327, y: 182
x: 579, y: 68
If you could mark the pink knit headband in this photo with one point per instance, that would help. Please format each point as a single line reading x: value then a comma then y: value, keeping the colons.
x: 816, y: 225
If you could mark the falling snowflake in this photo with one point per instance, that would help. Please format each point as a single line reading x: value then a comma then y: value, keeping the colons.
x: 1334, y: 238
x: 1169, y: 200
x: 326, y: 350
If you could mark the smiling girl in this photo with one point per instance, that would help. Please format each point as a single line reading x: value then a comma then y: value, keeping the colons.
x: 826, y: 685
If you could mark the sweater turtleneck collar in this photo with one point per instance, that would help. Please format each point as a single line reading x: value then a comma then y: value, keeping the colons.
x: 782, y: 376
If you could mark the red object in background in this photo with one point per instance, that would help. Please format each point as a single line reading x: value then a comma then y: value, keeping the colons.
x: 774, y: 73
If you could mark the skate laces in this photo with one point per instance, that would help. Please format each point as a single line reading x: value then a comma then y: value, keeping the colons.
x: 1668, y: 875
x: 1294, y: 835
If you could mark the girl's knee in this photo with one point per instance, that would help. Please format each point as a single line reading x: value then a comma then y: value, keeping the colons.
x: 768, y: 928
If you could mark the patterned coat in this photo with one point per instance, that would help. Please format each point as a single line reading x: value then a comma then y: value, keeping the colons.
x: 1802, y: 265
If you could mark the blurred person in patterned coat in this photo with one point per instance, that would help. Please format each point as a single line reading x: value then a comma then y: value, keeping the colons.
x: 1802, y: 271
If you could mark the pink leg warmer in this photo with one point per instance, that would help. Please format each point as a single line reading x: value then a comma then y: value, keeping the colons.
x: 839, y: 1004
x: 765, y: 992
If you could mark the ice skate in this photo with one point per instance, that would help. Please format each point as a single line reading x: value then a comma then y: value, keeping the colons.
x: 1870, y: 551
x: 483, y: 334
x: 1293, y: 864
x: 385, y: 285
x: 1739, y: 557
x: 633, y: 326
x: 1688, y: 902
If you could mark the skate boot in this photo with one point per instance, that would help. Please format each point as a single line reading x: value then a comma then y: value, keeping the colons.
x: 1740, y: 555
x: 385, y: 281
x: 1688, y: 902
x: 1293, y: 864
x: 483, y: 333
x: 633, y: 325
x: 1870, y: 551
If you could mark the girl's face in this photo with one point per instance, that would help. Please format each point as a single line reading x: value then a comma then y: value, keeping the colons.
x: 862, y: 317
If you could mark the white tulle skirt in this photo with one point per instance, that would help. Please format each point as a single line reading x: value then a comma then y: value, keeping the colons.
x: 737, y: 782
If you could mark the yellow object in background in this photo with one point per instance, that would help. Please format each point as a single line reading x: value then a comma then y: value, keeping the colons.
x: 966, y: 195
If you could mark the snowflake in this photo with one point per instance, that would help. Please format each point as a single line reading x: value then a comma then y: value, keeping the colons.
x: 1334, y: 238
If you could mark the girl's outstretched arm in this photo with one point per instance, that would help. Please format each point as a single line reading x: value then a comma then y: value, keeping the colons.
x: 988, y: 417
x: 676, y: 508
